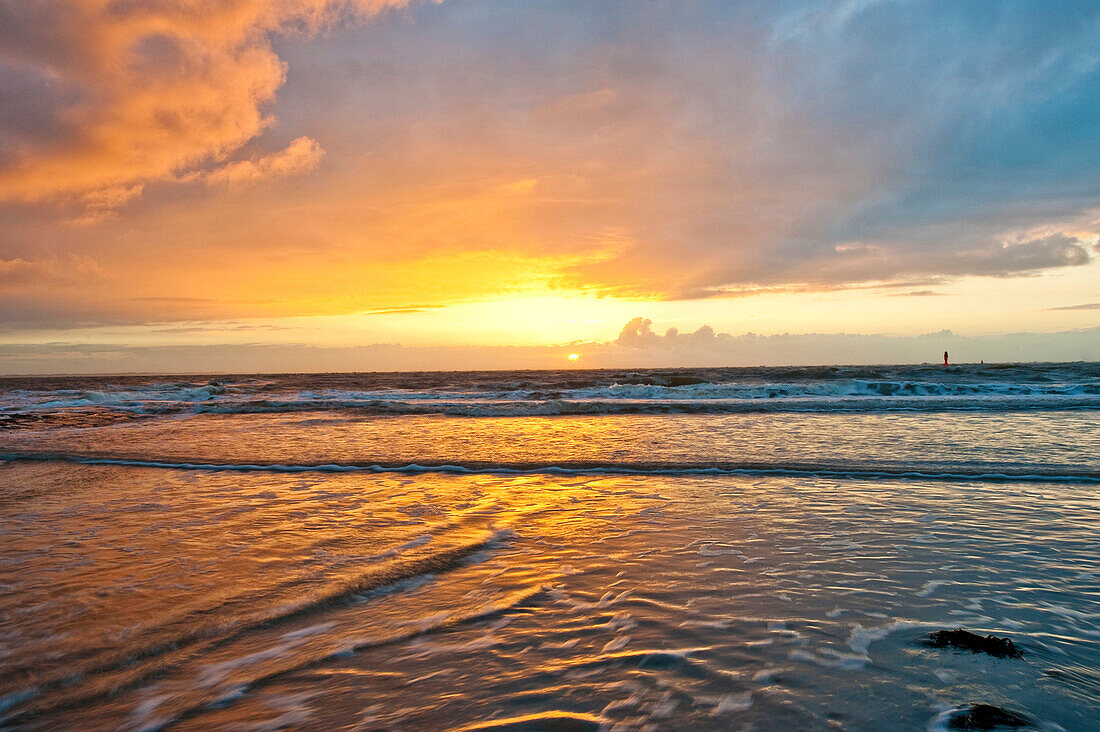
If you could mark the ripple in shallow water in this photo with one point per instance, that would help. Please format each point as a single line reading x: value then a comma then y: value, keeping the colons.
x: 138, y: 598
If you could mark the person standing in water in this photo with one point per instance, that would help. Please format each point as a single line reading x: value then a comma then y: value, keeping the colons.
x: 945, y: 358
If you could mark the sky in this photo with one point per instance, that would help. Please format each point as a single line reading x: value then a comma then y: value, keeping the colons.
x: 270, y: 185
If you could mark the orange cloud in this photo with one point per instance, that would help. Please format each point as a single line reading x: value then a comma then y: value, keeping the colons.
x: 142, y: 91
x: 104, y: 202
x: 69, y: 270
x: 299, y: 156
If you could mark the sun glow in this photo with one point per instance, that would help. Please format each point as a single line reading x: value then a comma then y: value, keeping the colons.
x: 574, y: 357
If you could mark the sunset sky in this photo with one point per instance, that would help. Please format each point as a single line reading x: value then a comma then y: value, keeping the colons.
x: 262, y: 175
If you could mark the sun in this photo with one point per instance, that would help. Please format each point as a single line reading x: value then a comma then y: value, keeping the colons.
x: 574, y: 356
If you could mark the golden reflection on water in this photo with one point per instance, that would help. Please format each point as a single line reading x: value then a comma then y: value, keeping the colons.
x: 140, y: 597
x: 170, y: 574
x: 869, y: 441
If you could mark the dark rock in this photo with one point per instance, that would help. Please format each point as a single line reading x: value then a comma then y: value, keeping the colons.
x: 985, y: 716
x: 959, y: 638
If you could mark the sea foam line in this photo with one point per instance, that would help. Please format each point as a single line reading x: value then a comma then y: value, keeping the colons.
x: 583, y: 469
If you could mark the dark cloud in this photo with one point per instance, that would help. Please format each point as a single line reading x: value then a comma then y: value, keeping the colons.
x: 223, y: 328
x: 1083, y: 306
x: 172, y: 300
x: 917, y: 293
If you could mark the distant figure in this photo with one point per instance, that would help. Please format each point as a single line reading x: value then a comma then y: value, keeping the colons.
x: 945, y: 358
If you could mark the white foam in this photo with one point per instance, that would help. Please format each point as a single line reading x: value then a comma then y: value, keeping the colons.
x: 608, y: 599
x: 616, y: 644
x: 707, y: 551
x: 734, y: 703
x: 835, y: 659
x: 765, y: 675
x: 860, y: 639
x: 931, y: 586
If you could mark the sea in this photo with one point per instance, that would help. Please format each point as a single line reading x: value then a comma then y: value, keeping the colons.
x: 742, y: 549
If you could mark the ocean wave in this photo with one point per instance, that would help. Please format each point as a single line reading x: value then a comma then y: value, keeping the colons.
x: 838, y: 388
x: 724, y: 391
x: 624, y: 403
x: 1026, y: 474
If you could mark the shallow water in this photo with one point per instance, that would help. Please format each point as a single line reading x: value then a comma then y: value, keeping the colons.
x: 1036, y: 445
x: 709, y: 570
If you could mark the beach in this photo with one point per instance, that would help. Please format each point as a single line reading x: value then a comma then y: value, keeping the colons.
x: 460, y: 365
x: 707, y: 549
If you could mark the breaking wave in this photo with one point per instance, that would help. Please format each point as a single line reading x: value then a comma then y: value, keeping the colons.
x: 1051, y: 387
x: 976, y: 472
